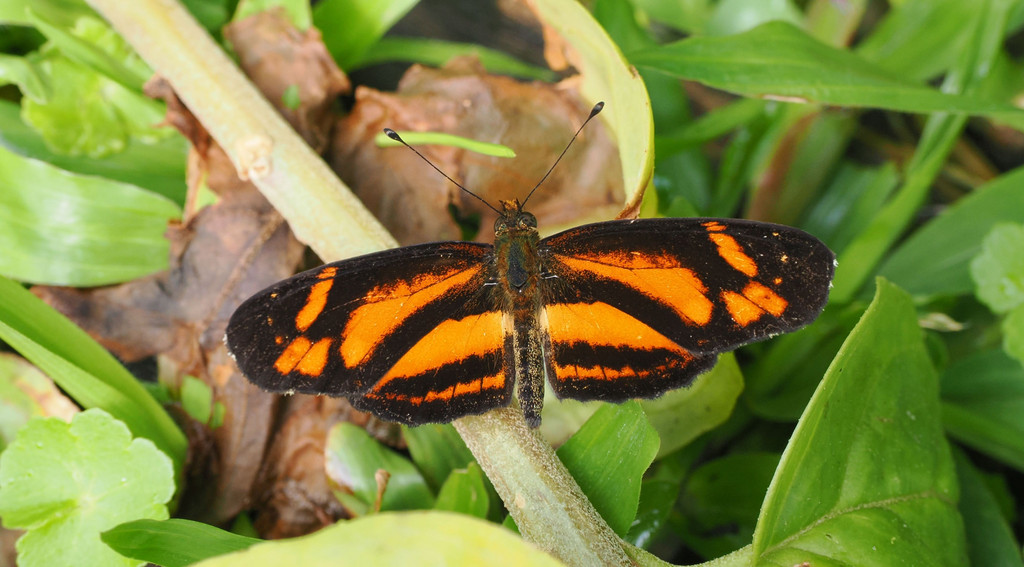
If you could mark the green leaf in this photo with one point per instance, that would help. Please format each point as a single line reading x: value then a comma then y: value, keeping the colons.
x: 83, y: 368
x: 95, y: 46
x: 66, y: 483
x: 606, y: 76
x: 998, y: 270
x: 437, y: 450
x: 436, y: 52
x: 159, y: 167
x: 919, y: 39
x: 23, y: 72
x: 353, y: 459
x: 25, y: 392
x: 982, y: 401
x: 714, y: 124
x: 197, y: 399
x: 780, y: 61
x: 990, y: 540
x: 162, y: 542
x: 721, y: 499
x: 465, y: 492
x: 105, y: 232
x: 867, y: 478
x: 89, y: 114
x: 1013, y: 333
x: 860, y: 259
x: 351, y: 27
x: 936, y: 258
x: 396, y: 539
x: 682, y: 415
x: 443, y: 139
x: 608, y: 457
x: 65, y: 12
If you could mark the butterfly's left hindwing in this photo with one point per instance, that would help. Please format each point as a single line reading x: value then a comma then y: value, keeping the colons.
x: 635, y: 308
x: 410, y: 334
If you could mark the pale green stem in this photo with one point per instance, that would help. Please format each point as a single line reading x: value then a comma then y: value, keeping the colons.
x: 536, y: 488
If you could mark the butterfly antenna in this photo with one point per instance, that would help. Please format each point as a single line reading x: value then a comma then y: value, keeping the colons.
x: 593, y: 112
x: 394, y: 136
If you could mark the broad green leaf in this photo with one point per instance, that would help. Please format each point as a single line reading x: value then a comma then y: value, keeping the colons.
x: 998, y: 271
x: 353, y: 459
x: 66, y: 483
x: 437, y: 450
x: 25, y: 392
x: 351, y: 27
x: 159, y: 167
x: 936, y: 258
x: 990, y: 539
x: 437, y: 52
x: 606, y: 76
x: 682, y: 415
x: 608, y: 457
x: 63, y: 229
x: 778, y: 60
x: 982, y: 405
x: 164, y: 542
x: 720, y: 501
x: 465, y: 492
x: 867, y: 478
x: 83, y: 368
x: 399, y: 540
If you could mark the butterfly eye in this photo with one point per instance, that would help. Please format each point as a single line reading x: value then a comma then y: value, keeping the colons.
x: 526, y: 220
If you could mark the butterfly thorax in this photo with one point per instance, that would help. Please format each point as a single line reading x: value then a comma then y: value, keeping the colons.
x: 515, y: 248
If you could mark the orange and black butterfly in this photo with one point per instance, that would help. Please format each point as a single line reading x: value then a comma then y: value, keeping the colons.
x: 608, y: 311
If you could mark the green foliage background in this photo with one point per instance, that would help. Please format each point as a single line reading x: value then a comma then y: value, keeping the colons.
x: 891, y: 431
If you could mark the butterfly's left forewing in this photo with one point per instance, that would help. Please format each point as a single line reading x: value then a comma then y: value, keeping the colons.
x: 410, y: 334
x: 635, y: 308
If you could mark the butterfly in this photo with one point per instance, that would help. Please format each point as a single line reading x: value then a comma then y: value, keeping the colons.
x: 608, y: 311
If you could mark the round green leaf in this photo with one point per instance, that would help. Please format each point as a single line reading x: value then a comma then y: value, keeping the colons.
x: 998, y: 271
x: 66, y: 483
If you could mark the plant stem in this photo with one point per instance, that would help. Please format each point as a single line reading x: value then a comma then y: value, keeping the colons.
x: 541, y: 495
x: 548, y: 506
x: 322, y: 212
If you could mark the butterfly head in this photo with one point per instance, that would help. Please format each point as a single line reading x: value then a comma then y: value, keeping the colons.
x: 513, y: 220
